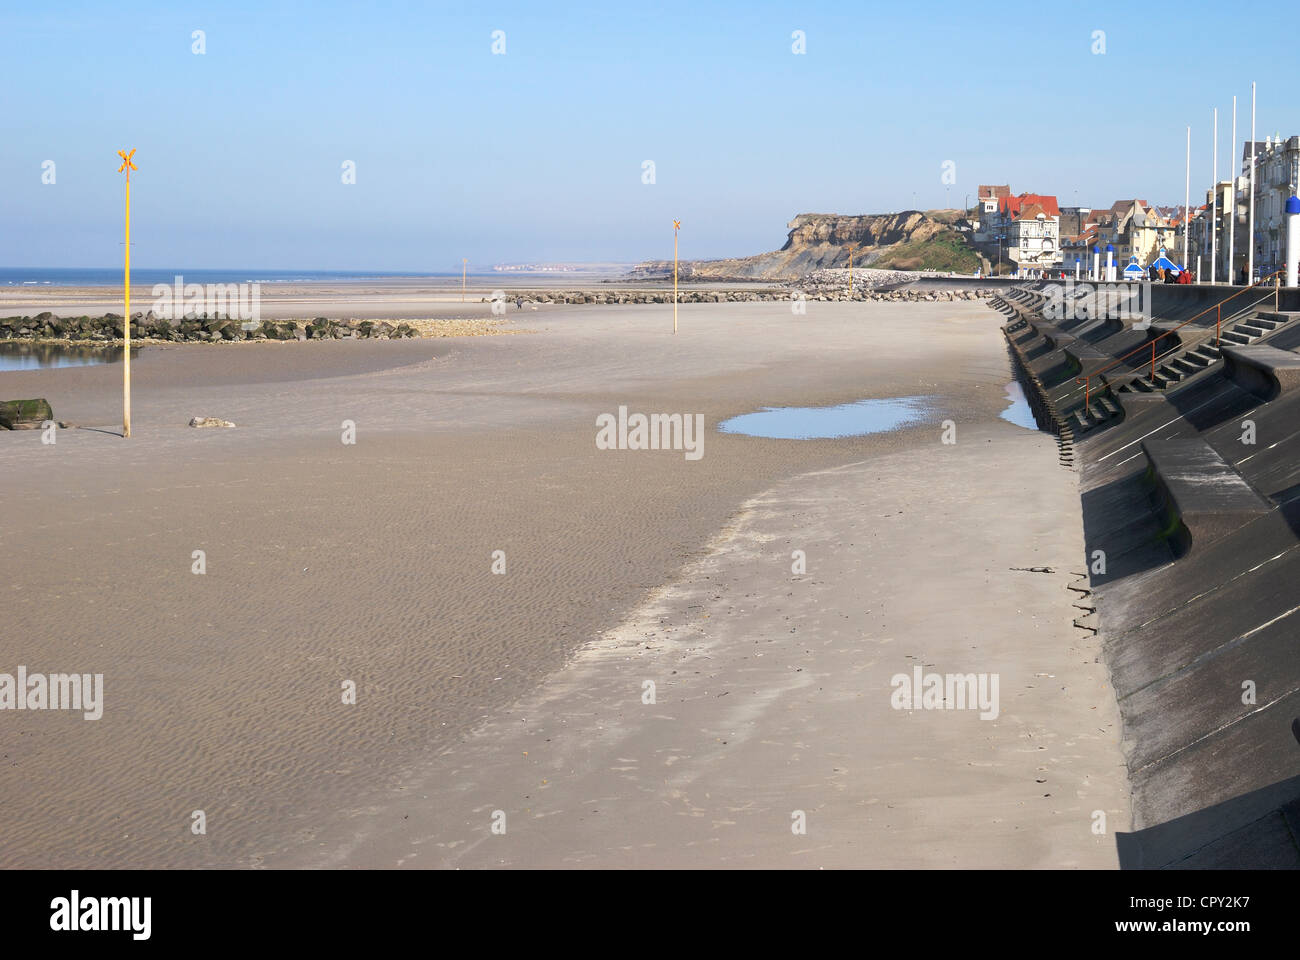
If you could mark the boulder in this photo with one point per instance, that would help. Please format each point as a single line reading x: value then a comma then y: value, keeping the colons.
x: 279, y: 331
x: 210, y: 422
x: 24, y: 414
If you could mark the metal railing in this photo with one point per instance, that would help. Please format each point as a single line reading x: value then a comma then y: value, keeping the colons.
x: 1217, y: 309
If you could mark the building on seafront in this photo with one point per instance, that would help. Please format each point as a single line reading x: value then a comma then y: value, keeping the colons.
x: 1277, y: 178
x: 1133, y: 227
x: 1024, y: 228
x: 1034, y: 240
x: 1140, y: 231
x: 1031, y: 231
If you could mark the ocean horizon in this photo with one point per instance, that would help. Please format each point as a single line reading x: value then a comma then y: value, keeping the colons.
x: 145, y: 276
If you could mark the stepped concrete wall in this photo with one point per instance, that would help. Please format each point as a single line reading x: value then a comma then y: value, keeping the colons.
x: 1192, y: 493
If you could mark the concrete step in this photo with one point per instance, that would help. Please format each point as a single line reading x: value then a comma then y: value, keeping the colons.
x: 1251, y: 329
x: 1109, y: 405
x: 1232, y: 336
x: 1197, y: 486
x: 1266, y: 324
x: 1278, y: 316
x: 1187, y: 366
x: 1263, y: 370
x: 1208, y: 351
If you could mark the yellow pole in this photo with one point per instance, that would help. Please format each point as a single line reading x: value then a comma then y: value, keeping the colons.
x: 128, y: 166
x: 850, y: 271
x: 676, y: 226
x: 464, y: 265
x: 126, y: 326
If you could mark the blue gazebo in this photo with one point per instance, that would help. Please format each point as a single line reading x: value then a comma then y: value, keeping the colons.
x: 1164, y: 263
x: 1134, y: 270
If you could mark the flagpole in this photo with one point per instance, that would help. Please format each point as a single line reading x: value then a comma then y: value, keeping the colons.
x: 128, y: 166
x: 1232, y: 220
x: 1250, y: 227
x: 126, y: 324
x: 676, y: 226
x: 1214, y: 209
x: 1187, y: 201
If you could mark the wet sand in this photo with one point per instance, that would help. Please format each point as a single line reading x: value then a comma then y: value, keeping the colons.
x: 372, y: 563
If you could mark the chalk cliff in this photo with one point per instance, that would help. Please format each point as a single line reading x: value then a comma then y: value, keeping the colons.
x: 907, y: 240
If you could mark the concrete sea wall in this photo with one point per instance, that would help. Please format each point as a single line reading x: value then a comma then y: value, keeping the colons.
x: 1190, y: 486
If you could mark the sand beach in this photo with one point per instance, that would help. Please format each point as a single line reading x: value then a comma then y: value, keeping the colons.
x: 522, y: 692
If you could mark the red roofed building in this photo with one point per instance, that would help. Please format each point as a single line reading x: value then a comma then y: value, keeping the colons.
x: 997, y: 213
x: 1034, y: 234
x: 1011, y: 206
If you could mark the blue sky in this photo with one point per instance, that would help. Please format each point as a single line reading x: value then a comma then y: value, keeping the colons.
x: 537, y: 154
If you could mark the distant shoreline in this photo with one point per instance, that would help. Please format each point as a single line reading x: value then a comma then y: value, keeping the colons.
x: 41, y: 278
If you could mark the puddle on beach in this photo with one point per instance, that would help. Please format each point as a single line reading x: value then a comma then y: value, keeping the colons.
x: 1019, y: 412
x: 18, y: 355
x: 846, y: 420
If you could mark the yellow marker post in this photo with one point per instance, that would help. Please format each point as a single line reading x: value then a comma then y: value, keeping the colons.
x: 464, y: 265
x: 677, y: 225
x: 128, y: 166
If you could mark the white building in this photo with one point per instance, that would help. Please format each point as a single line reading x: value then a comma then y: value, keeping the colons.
x: 1277, y: 177
x: 1034, y: 239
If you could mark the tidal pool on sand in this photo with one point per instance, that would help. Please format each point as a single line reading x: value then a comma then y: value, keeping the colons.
x: 24, y: 355
x: 846, y: 420
x: 1019, y: 412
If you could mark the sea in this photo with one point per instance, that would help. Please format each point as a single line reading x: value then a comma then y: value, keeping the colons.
x: 147, y: 276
